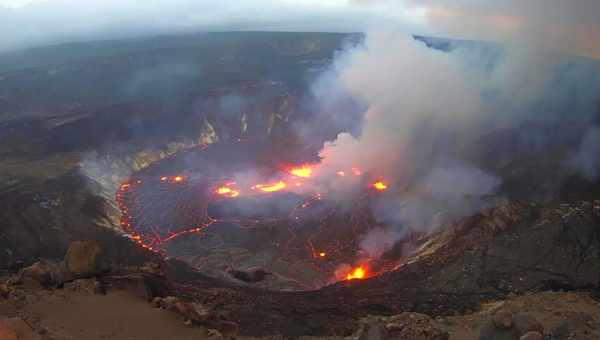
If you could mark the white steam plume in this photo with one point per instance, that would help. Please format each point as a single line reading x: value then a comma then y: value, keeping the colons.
x: 425, y: 110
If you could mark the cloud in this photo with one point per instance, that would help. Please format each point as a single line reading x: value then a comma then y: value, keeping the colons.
x: 568, y: 25
x: 572, y: 26
x: 26, y: 23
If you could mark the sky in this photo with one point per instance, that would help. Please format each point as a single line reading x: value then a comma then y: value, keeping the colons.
x: 572, y: 25
x: 37, y: 22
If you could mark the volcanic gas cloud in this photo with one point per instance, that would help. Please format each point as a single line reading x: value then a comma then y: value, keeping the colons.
x: 408, y: 162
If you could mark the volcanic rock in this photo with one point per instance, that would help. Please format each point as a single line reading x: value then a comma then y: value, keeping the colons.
x: 532, y: 336
x: 214, y: 334
x: 152, y: 268
x: 84, y: 259
x: 145, y: 286
x: 503, y: 319
x: 4, y: 292
x: 249, y: 276
x: 402, y: 326
x: 373, y: 330
x: 156, y: 302
x: 193, y: 312
x: 490, y: 331
x: 561, y: 331
x: 525, y: 323
x: 89, y: 286
x: 16, y: 329
x: 168, y: 302
x: 197, y: 313
x: 43, y: 273
x: 578, y: 325
x: 504, y: 326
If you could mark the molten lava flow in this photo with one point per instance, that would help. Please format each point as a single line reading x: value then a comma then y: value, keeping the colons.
x: 380, y: 186
x: 227, y: 191
x: 304, y: 171
x: 270, y: 187
x: 357, y: 273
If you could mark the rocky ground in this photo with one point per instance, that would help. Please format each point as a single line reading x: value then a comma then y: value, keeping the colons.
x: 35, y: 306
x: 477, y: 279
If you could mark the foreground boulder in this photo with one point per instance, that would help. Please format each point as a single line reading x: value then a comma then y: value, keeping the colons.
x: 16, y: 329
x: 412, y: 326
x: 43, y: 273
x: 507, y: 326
x: 4, y: 291
x: 89, y: 286
x: 532, y: 336
x: 196, y: 313
x: 84, y: 259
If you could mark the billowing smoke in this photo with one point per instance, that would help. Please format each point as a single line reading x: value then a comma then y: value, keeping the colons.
x: 409, y: 89
x: 427, y: 110
x: 587, y: 158
x: 420, y: 101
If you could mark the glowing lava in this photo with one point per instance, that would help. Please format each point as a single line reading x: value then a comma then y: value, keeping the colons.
x: 304, y: 171
x: 270, y: 187
x: 227, y: 191
x: 380, y: 186
x: 357, y: 273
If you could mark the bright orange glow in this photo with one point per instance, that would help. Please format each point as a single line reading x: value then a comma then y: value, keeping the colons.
x: 356, y: 172
x: 380, y: 186
x: 357, y: 273
x: 178, y: 178
x: 304, y: 171
x: 226, y: 191
x: 322, y: 254
x: 270, y: 187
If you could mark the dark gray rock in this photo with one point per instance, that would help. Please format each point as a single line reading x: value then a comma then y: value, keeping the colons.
x: 490, y: 331
x: 85, y: 259
x: 525, y: 323
x: 43, y: 273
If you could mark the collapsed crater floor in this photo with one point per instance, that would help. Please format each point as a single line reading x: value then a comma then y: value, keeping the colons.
x: 300, y: 239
